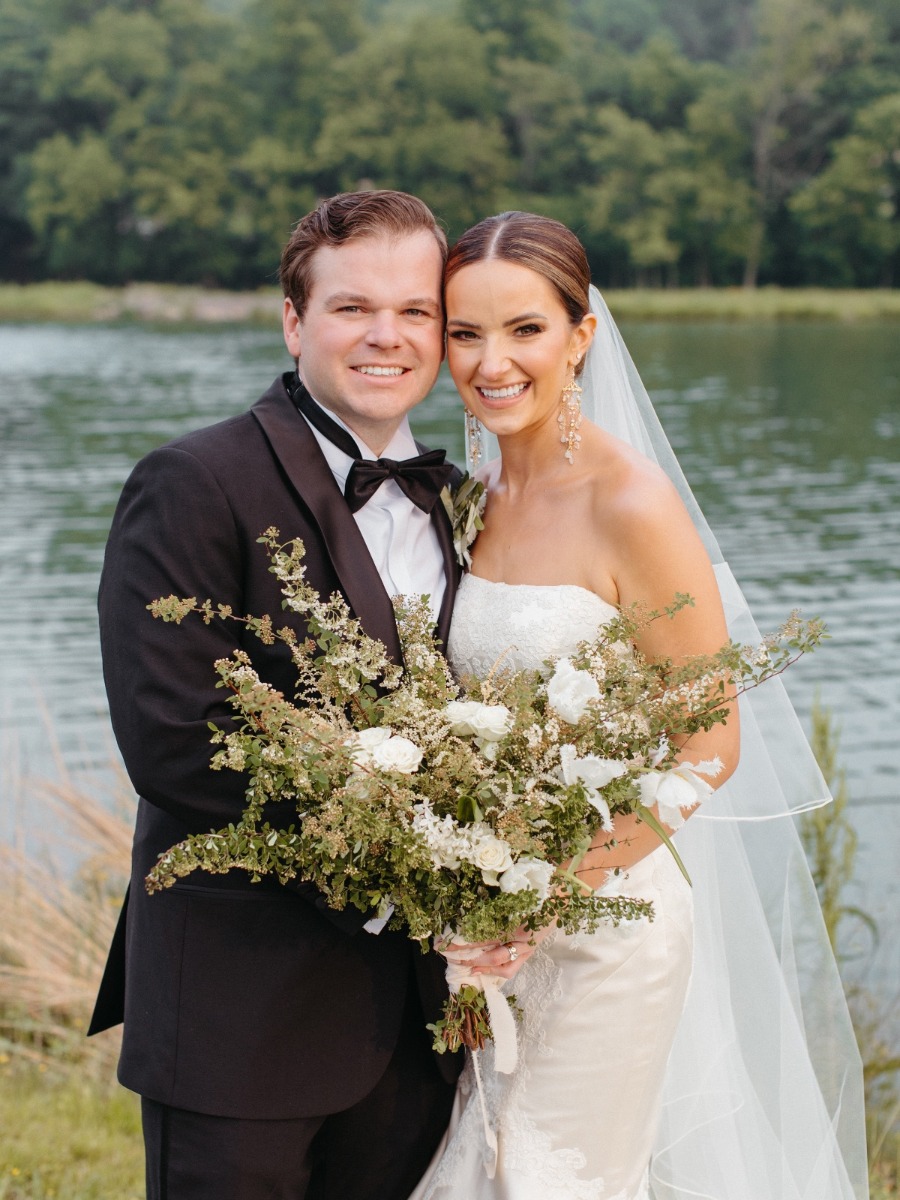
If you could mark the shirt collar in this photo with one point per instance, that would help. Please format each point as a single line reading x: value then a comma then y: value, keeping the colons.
x: 402, y: 445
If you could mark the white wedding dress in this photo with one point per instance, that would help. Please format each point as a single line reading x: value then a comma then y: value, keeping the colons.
x: 630, y: 1085
x: 578, y: 1117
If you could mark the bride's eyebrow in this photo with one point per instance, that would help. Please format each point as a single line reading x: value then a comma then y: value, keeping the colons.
x: 534, y: 316
x: 531, y: 316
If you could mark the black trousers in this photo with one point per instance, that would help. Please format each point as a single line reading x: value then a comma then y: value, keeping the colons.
x: 376, y: 1150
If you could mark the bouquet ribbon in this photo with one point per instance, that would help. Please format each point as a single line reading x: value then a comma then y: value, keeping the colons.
x: 503, y: 1029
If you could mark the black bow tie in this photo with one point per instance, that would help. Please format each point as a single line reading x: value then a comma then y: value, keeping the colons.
x: 421, y: 478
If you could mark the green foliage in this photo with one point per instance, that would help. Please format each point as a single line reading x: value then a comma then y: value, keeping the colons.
x: 707, y: 142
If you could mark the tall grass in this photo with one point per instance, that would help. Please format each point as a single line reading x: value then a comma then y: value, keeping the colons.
x: 168, y: 303
x: 61, y: 886
x: 67, y: 1130
x: 830, y: 842
x: 152, y: 302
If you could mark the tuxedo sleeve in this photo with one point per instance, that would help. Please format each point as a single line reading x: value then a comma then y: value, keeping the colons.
x: 174, y: 532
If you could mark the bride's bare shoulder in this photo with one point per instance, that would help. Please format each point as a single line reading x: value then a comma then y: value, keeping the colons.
x: 630, y: 488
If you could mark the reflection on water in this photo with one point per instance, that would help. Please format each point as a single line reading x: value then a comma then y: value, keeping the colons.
x: 790, y: 435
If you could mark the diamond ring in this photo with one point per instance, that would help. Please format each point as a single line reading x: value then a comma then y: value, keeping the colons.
x: 512, y: 951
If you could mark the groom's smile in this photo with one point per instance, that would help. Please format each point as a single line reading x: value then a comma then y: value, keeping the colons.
x: 370, y: 341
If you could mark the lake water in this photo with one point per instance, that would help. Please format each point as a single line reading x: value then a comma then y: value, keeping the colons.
x: 789, y: 434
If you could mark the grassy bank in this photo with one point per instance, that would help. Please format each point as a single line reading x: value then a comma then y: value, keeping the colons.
x: 67, y: 1131
x: 67, y: 1138
x: 165, y: 303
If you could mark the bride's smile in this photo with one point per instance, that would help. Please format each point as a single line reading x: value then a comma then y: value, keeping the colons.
x: 510, y: 345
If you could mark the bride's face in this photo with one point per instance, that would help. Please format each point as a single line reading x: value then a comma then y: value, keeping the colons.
x: 510, y: 344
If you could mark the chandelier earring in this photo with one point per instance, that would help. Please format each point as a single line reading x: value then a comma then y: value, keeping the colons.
x: 569, y: 418
x: 473, y: 440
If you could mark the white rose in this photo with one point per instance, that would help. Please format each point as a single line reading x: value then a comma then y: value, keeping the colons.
x: 492, y: 856
x: 397, y: 754
x: 528, y: 873
x: 364, y: 742
x: 672, y: 791
x: 458, y: 712
x: 490, y: 722
x: 570, y: 691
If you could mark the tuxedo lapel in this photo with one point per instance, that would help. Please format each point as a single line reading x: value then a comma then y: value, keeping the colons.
x: 295, y: 447
x: 441, y: 523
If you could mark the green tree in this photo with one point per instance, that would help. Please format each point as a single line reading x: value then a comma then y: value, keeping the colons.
x: 800, y: 45
x: 138, y: 181
x: 414, y: 109
x: 711, y: 187
x: 851, y: 210
x: 534, y: 32
x: 628, y: 209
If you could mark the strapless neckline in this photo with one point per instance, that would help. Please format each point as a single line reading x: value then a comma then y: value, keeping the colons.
x: 522, y: 626
x: 546, y: 587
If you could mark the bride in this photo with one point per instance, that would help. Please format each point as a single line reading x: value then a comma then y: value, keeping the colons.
x: 646, y: 1067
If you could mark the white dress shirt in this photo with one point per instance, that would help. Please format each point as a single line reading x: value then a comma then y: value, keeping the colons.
x: 400, y: 537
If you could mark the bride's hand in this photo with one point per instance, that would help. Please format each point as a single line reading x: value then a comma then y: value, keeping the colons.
x: 498, y: 958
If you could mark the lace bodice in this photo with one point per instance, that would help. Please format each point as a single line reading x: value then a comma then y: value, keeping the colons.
x: 521, y: 623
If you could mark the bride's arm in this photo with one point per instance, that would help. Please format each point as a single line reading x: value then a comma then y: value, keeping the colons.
x: 658, y: 553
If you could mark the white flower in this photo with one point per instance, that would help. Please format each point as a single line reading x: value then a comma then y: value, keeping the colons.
x: 675, y: 789
x: 489, y: 722
x: 364, y: 742
x: 570, y: 691
x: 492, y: 856
x: 594, y: 773
x: 446, y: 841
x: 528, y: 873
x: 397, y: 754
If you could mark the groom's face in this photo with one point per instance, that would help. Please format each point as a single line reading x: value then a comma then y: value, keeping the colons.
x: 370, y: 342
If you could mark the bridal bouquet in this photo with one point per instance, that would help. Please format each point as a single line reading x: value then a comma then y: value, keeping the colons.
x: 456, y: 809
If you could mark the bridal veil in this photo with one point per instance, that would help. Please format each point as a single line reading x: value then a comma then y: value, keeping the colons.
x: 763, y: 1097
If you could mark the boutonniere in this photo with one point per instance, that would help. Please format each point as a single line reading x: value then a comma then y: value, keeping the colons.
x: 464, y: 507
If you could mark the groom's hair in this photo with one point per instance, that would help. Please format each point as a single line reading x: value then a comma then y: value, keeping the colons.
x: 343, y: 218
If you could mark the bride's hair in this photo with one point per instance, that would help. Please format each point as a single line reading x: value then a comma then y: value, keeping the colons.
x: 539, y: 243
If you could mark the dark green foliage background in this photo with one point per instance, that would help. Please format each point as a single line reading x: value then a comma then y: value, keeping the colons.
x: 704, y: 142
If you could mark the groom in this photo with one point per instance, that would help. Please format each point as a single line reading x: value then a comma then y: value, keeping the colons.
x: 279, y: 1048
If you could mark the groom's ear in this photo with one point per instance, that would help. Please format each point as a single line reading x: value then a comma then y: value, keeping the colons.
x: 290, y: 324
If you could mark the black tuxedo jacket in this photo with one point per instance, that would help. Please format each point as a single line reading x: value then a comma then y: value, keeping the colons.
x: 239, y: 999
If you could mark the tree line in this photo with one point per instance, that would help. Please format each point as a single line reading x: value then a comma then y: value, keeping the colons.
x: 708, y: 142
